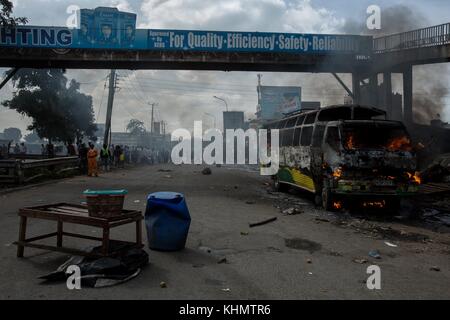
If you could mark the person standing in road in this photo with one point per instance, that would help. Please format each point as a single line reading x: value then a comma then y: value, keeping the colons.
x: 92, y: 161
x: 104, y: 157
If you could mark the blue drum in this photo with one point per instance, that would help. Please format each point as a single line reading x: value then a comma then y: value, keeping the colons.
x: 167, y: 221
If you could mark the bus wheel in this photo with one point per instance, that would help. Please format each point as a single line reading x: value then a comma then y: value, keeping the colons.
x: 279, y: 186
x: 327, y: 198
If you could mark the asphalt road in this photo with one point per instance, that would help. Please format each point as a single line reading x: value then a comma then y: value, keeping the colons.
x: 310, y: 255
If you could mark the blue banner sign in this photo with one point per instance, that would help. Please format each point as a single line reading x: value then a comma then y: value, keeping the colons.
x: 105, y: 37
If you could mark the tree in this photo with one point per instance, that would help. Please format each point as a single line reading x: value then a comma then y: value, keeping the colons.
x: 136, y: 127
x: 6, y: 8
x: 13, y: 134
x: 59, y: 111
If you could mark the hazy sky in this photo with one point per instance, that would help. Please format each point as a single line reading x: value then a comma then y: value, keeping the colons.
x: 185, y: 96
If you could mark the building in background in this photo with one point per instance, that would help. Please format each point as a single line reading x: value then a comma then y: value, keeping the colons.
x: 233, y: 120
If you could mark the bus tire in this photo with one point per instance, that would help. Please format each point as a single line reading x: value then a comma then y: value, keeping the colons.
x: 279, y: 186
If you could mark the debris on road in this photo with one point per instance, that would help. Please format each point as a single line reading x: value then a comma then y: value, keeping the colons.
x: 223, y: 260
x: 205, y: 249
x: 164, y: 170
x: 256, y: 224
x: 389, y: 244
x: 360, y: 261
x: 106, y: 271
x: 435, y: 268
x: 375, y: 254
x: 250, y: 202
x: 226, y: 290
x: 292, y: 211
x: 244, y: 233
x: 309, y: 261
x: 163, y: 285
x: 206, y: 171
x: 322, y: 220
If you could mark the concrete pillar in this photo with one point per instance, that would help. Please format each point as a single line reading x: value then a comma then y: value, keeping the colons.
x: 373, y: 85
x: 356, y: 88
x: 408, y: 95
x: 387, y: 81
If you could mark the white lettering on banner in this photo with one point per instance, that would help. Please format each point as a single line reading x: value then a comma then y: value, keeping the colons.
x: 249, y: 41
x: 209, y: 40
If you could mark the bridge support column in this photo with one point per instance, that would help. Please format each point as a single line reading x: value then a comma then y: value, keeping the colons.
x: 356, y: 88
x: 373, y: 90
x: 408, y: 95
x: 387, y: 81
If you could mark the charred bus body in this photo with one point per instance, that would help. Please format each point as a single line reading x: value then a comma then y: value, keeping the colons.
x: 343, y: 153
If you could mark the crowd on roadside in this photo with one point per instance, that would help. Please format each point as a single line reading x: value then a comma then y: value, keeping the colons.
x: 92, y: 159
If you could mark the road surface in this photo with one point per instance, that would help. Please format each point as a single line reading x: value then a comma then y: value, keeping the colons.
x: 310, y: 255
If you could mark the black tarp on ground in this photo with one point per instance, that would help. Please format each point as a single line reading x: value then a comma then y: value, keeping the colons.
x: 107, y: 271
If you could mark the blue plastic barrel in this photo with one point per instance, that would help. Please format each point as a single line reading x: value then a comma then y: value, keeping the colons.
x: 167, y: 221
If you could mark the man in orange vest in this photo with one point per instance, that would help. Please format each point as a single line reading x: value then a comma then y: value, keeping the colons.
x: 92, y: 161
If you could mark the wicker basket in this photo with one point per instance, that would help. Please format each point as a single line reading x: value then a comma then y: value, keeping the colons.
x: 105, y: 206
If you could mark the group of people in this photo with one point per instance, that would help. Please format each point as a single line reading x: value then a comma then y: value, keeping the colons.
x: 89, y: 156
x: 18, y: 149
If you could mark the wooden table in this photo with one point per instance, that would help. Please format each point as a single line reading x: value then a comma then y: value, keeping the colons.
x: 74, y: 214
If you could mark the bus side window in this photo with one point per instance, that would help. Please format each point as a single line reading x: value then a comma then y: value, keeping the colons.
x: 319, y: 131
x: 297, y: 133
x: 306, y: 137
x: 287, y: 138
x: 333, y: 138
x: 300, y: 120
x: 311, y: 118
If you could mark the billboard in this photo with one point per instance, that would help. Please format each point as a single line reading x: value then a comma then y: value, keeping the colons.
x: 278, y: 101
x: 110, y: 28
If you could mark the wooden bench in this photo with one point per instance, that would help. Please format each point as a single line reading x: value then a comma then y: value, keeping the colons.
x: 74, y: 214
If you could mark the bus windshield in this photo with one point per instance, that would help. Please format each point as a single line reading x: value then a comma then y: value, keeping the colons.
x: 375, y: 136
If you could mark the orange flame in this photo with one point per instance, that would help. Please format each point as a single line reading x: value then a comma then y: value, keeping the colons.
x: 400, y: 143
x: 337, y: 173
x: 415, y: 177
x: 375, y: 204
x: 337, y: 205
x: 350, y: 142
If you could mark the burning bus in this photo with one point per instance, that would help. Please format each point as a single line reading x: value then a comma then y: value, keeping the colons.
x: 346, y: 153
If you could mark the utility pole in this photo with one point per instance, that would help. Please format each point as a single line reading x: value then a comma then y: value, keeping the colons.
x: 153, y: 105
x: 112, y: 89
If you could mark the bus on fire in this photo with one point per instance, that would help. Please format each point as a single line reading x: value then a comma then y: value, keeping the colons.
x: 346, y: 153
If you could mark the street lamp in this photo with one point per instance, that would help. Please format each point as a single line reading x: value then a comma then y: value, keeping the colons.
x: 223, y: 100
x: 211, y: 116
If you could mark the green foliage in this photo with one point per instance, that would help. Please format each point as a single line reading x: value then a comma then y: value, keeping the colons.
x: 12, y: 134
x: 59, y: 111
x: 136, y: 127
x: 6, y: 8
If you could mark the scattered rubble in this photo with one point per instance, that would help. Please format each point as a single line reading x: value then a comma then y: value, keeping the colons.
x: 435, y: 268
x: 292, y: 211
x: 206, y: 171
x: 360, y: 261
x: 375, y: 254
x: 256, y: 224
x: 389, y: 244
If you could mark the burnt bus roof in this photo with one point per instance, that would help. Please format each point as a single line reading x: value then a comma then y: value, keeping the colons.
x: 386, y: 123
x: 337, y: 112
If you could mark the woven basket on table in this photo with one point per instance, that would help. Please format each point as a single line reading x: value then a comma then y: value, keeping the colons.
x: 105, y: 206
